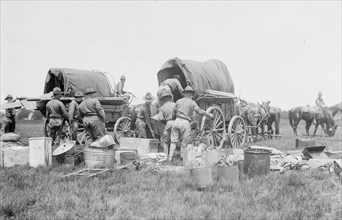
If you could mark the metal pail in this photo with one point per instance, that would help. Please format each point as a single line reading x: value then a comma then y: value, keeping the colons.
x: 256, y: 162
x: 202, y: 176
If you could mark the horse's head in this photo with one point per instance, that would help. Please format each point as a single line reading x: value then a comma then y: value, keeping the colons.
x: 264, y: 110
x: 331, y: 131
x: 251, y: 114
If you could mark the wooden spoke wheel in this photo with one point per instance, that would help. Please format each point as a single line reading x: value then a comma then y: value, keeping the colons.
x: 122, y: 128
x: 81, y: 134
x: 213, y: 128
x: 237, y: 131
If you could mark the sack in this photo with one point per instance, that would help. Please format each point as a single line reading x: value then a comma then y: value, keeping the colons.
x: 9, y: 137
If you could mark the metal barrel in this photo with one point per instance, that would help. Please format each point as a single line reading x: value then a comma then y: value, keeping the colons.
x: 256, y: 162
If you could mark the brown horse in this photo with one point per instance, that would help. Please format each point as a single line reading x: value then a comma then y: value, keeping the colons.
x: 274, y: 117
x: 323, y: 118
x: 335, y: 109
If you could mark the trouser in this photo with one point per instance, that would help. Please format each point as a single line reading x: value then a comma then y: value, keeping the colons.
x: 73, y: 129
x: 143, y: 129
x: 181, y: 131
x: 54, y: 128
x: 94, y: 127
x: 10, y: 126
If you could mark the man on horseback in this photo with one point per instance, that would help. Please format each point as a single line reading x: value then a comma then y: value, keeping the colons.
x: 320, y: 104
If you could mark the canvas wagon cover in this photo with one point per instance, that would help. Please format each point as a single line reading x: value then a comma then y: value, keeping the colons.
x: 212, y: 74
x: 72, y: 80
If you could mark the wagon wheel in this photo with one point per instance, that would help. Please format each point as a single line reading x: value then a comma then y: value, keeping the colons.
x: 237, y: 131
x: 214, y: 129
x: 81, y: 134
x: 122, y: 128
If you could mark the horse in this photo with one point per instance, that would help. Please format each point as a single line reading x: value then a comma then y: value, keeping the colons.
x: 264, y: 113
x: 323, y: 118
x: 274, y: 117
x: 250, y: 113
x: 335, y: 109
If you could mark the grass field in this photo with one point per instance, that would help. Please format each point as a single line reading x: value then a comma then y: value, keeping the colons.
x: 27, y: 193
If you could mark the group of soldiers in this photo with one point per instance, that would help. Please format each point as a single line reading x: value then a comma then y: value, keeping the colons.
x: 85, y: 107
x: 176, y: 116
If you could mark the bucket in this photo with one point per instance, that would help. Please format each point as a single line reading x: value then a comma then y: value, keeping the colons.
x: 228, y: 173
x: 202, y: 176
x: 40, y: 151
x: 256, y: 162
x: 127, y: 157
x: 98, y: 157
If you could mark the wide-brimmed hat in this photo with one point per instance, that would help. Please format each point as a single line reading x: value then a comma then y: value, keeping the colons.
x: 78, y: 94
x: 56, y: 91
x: 89, y: 90
x: 9, y: 96
x: 148, y: 97
x: 189, y: 89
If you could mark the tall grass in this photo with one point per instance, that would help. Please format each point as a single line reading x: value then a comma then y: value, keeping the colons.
x: 28, y: 193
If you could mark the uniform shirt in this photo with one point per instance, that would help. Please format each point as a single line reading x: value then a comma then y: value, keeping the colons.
x: 119, y: 88
x: 89, y: 106
x: 174, y: 85
x: 165, y: 112
x: 185, y: 108
x: 56, y: 109
x: 320, y: 102
x: 143, y: 111
x: 73, y: 110
x: 10, y: 111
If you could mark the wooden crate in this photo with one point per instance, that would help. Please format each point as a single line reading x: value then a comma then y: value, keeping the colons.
x: 143, y: 145
x: 15, y: 155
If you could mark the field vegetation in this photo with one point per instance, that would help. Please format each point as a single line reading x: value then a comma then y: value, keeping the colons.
x: 28, y: 193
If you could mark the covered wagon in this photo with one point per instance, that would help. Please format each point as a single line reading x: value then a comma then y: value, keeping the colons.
x: 214, y: 89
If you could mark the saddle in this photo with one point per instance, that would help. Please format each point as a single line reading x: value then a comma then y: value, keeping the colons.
x: 307, y: 109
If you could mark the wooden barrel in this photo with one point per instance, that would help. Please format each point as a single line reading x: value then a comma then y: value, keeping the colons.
x: 103, y: 158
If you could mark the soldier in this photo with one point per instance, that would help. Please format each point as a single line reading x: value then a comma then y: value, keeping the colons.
x: 10, y: 115
x: 166, y: 117
x: 119, y: 87
x: 170, y: 86
x: 181, y: 129
x: 320, y: 104
x: 93, y: 116
x: 144, y: 118
x: 74, y: 116
x: 55, y: 115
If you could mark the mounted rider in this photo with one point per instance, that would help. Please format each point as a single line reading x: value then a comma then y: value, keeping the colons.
x: 320, y: 104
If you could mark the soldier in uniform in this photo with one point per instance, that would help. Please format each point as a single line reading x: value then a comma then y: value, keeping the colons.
x: 56, y: 114
x: 10, y: 115
x: 119, y: 87
x: 143, y: 122
x: 74, y: 115
x: 170, y: 86
x: 166, y: 117
x: 181, y: 128
x: 93, y: 116
x: 320, y: 104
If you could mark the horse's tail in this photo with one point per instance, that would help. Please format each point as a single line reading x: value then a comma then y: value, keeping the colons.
x: 277, y: 121
x: 291, y: 117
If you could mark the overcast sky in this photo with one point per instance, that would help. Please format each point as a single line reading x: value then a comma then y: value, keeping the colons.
x: 281, y: 51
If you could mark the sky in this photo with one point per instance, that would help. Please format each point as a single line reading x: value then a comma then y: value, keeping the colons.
x: 282, y: 51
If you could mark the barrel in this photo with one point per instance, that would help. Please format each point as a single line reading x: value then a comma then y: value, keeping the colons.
x: 96, y: 157
x: 256, y: 162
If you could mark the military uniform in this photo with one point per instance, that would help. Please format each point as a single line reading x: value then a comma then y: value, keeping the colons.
x: 168, y: 86
x: 144, y: 118
x: 181, y: 129
x: 55, y: 113
x: 93, y: 116
x: 10, y: 126
x: 165, y: 114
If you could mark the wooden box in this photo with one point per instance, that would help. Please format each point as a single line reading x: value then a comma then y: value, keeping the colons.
x: 15, y: 155
x: 143, y: 145
x: 40, y: 151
